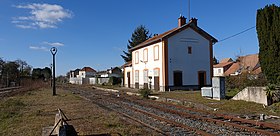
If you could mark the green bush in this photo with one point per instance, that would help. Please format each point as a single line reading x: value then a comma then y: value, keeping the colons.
x: 145, y: 93
x: 244, y: 80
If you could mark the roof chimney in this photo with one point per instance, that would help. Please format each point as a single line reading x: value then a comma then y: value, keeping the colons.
x: 181, y: 21
x: 194, y: 21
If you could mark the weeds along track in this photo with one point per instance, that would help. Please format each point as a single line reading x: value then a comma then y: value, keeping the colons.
x: 256, y: 127
x: 168, y: 119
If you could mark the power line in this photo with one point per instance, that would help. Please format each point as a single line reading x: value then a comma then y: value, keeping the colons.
x: 237, y: 34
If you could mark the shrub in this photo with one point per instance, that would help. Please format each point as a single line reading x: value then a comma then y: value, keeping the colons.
x: 244, y: 80
x: 145, y: 93
x: 272, y: 93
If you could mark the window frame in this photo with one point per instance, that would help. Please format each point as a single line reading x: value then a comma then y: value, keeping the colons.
x: 136, y: 57
x: 136, y: 76
x: 156, y: 57
x: 145, y: 56
x: 189, y: 49
x: 146, y: 78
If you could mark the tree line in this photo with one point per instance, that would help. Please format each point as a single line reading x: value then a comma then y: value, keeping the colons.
x: 13, y: 73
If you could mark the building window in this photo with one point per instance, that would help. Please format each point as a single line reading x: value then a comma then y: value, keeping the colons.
x: 137, y: 76
x: 189, y: 50
x: 219, y: 71
x: 136, y: 57
x: 145, y: 55
x: 156, y: 52
x: 156, y: 72
x: 145, y: 75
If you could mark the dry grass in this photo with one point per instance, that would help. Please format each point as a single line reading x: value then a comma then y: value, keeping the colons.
x: 223, y: 106
x: 29, y: 113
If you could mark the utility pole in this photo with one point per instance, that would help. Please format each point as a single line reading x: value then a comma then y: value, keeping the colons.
x: 53, y: 51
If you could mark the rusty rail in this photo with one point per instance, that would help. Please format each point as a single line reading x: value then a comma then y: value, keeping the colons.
x: 197, y: 131
x: 215, y: 120
x: 9, y: 88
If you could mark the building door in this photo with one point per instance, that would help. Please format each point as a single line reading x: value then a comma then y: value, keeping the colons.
x: 178, y: 78
x: 156, y: 83
x: 136, y: 79
x: 128, y: 79
x: 201, y: 78
x: 156, y: 79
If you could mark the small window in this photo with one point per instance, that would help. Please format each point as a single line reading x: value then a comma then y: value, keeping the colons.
x: 145, y: 55
x: 145, y: 74
x: 219, y: 71
x: 189, y: 50
x: 137, y: 76
x: 156, y: 52
x: 136, y: 57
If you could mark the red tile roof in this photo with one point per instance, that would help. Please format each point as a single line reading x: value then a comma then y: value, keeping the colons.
x: 249, y: 62
x: 226, y: 60
x: 88, y: 69
x: 234, y: 67
x: 191, y: 24
x: 257, y: 71
x: 221, y: 65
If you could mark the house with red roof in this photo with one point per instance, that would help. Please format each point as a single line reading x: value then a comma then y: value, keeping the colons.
x: 181, y: 58
x: 243, y: 64
x: 82, y: 76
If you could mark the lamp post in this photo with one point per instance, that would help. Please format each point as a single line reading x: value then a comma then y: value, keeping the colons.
x: 51, y: 73
x: 53, y: 51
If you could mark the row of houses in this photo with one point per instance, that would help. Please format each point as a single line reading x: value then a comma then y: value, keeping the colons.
x: 88, y: 75
x: 244, y: 64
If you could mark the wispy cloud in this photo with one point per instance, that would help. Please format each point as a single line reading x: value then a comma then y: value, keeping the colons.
x: 42, y: 48
x: 41, y: 16
x: 54, y: 43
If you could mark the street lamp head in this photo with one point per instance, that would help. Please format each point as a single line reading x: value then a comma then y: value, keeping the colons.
x: 53, y: 50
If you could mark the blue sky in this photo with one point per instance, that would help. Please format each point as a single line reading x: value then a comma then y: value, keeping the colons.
x: 94, y: 32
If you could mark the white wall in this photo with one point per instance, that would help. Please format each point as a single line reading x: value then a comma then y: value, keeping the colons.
x: 76, y: 80
x: 151, y: 64
x: 189, y: 64
x: 84, y: 74
x: 127, y: 69
x: 252, y: 94
x: 218, y: 71
x: 92, y: 80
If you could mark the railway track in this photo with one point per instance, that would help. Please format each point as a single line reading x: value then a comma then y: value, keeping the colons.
x: 8, y: 91
x: 249, y: 125
x: 168, y: 119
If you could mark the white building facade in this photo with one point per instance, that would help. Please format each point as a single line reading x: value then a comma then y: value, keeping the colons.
x: 181, y: 58
x: 83, y: 77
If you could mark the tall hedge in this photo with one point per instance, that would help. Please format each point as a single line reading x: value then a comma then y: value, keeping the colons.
x: 268, y: 30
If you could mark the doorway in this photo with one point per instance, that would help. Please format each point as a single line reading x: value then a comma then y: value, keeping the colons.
x: 156, y: 83
x: 128, y: 79
x: 178, y: 78
x: 201, y: 79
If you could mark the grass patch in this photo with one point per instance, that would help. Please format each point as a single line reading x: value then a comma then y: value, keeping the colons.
x: 10, y: 111
x: 194, y: 99
x: 27, y: 114
x: 10, y: 108
x: 231, y: 93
